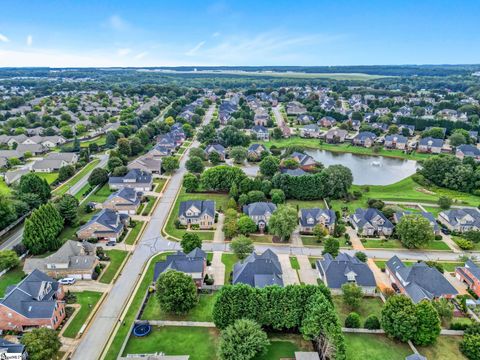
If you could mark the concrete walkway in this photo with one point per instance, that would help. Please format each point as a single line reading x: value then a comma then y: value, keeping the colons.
x: 88, y: 285
x: 219, y: 236
x: 447, y: 239
x: 218, y: 268
x: 296, y: 239
x: 307, y: 274
x: 289, y: 274
x: 457, y: 284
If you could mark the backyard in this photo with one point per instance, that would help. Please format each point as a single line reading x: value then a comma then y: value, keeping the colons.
x: 374, y: 347
x: 87, y: 301
x: 116, y: 259
x: 11, y: 277
x: 50, y: 177
x: 368, y: 306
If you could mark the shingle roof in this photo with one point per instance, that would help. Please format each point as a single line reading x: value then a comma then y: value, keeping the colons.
x: 425, y: 214
x: 469, y: 150
x: 205, y: 207
x: 294, y: 172
x: 133, y: 176
x: 128, y: 194
x: 258, y: 270
x: 107, y: 218
x: 457, y: 216
x: 429, y: 141
x: 364, y: 216
x: 259, y: 208
x: 11, y: 348
x: 315, y: 214
x: 192, y: 262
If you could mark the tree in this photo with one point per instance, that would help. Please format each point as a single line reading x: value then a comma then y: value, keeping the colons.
x: 290, y: 163
x: 277, y: 196
x: 361, y: 256
x: 136, y: 145
x: 470, y: 345
x: 41, y: 343
x: 352, y: 320
x: 176, y: 292
x: 428, y: 324
x: 190, y: 182
x: 242, y: 246
x: 352, y: 295
x: 242, y: 340
x: 246, y: 226
x: 230, y: 228
x: 99, y: 176
x: 256, y: 196
x: 114, y: 162
x: 319, y: 231
x: 338, y: 181
x: 65, y: 172
x: 414, y: 231
x: 170, y: 164
x: 67, y: 207
x: 124, y: 147
x: 190, y: 241
x: 8, y: 259
x: 7, y: 211
x: 444, y: 308
x: 457, y: 139
x: 445, y: 202
x: 198, y: 152
x: 120, y: 171
x: 33, y: 184
x: 221, y: 178
x: 214, y: 158
x: 372, y: 323
x: 238, y: 154
x: 194, y: 164
x: 283, y: 221
x: 269, y: 166
x: 332, y: 246
x: 399, y: 318
x: 277, y: 133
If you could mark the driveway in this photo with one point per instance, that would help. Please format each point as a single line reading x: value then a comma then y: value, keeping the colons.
x: 289, y: 274
x: 307, y: 274
x: 218, y: 268
x: 219, y: 236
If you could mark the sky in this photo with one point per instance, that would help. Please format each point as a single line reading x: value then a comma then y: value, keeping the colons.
x: 101, y: 33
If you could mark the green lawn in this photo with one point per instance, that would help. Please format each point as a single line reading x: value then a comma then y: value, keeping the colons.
x: 294, y: 263
x: 448, y: 266
x: 50, y: 177
x: 87, y: 300
x: 4, y: 189
x: 306, y: 204
x: 446, y: 348
x: 283, y: 346
x: 181, y: 150
x: 312, y: 241
x: 265, y: 238
x: 229, y: 260
x: 396, y: 244
x: 198, y: 342
x: 476, y: 246
x: 149, y: 206
x: 76, y: 178
x: 116, y: 259
x: 201, y: 312
x: 79, y: 195
x: 11, y: 277
x: 159, y: 184
x: 100, y: 141
x: 100, y: 195
x: 220, y: 203
x: 133, y: 234
x: 368, y: 306
x: 375, y: 347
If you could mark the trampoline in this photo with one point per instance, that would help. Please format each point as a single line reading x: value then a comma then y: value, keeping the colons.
x: 141, y: 330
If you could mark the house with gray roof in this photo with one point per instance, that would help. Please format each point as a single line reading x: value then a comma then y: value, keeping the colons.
x: 10, y: 350
x: 396, y: 142
x: 33, y: 149
x: 12, y: 177
x: 260, y: 132
x: 464, y: 151
x: 419, y: 281
x: 469, y: 274
x: 197, y: 212
x: 193, y: 264
x: 123, y: 201
x: 309, y: 218
x: 70, y: 158
x: 255, y: 151
x: 429, y: 216
x: 260, y: 212
x: 295, y: 108
x: 217, y: 148
x: 146, y: 163
x: 460, y: 220
x: 160, y: 150
x: 135, y: 179
x: 430, y: 145
x: 74, y: 259
x: 345, y: 269
x: 335, y: 136
x: 305, y: 119
x: 36, y: 301
x: 327, y: 121
x: 371, y: 222
x: 106, y: 225
x: 258, y: 270
x: 306, y: 162
x: 48, y: 166
x: 310, y: 131
x: 10, y: 154
x: 364, y: 138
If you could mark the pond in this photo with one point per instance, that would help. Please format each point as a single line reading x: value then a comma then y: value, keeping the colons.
x: 366, y: 169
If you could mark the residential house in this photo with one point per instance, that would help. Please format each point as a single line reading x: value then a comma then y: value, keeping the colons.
x: 197, y: 212
x: 356, y: 124
x: 306, y: 162
x: 364, y: 138
x: 160, y: 151
x: 335, y: 136
x: 74, y: 259
x: 295, y: 108
x: 10, y: 350
x: 258, y: 270
x: 10, y: 140
x: 36, y: 301
x: 261, y: 117
x: 260, y: 132
x: 146, y: 163
x: 34, y: 149
x: 371, y: 222
x: 431, y: 219
x: 305, y: 119
x: 193, y: 264
x: 327, y: 121
x: 260, y: 212
x: 3, y: 162
x: 48, y: 166
x: 463, y: 151
x: 396, y: 142
x: 106, y: 225
x: 419, y: 281
x: 135, y: 179
x: 11, y: 154
x: 123, y: 201
x: 69, y: 157
x: 219, y: 149
x: 409, y: 128
x: 345, y: 269
x: 470, y: 275
x: 430, y: 145
x: 311, y: 217
x: 12, y: 177
x: 255, y: 151
x: 460, y: 220
x: 310, y: 131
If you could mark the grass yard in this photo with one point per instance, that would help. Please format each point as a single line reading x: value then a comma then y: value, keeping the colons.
x: 76, y: 178
x: 87, y: 301
x: 181, y: 150
x: 79, y: 195
x: 446, y: 348
x: 396, y: 244
x: 4, y: 189
x: 294, y: 263
x: 198, y: 342
x: 228, y: 260
x: 306, y: 204
x: 159, y: 183
x: 50, y: 177
x: 374, y: 347
x: 447, y: 265
x: 100, y: 195
x: 284, y: 346
x: 368, y: 306
x: 133, y: 234
x: 201, y: 312
x: 100, y: 141
x: 265, y: 238
x: 149, y: 205
x: 220, y: 203
x: 476, y: 246
x: 116, y: 260
x: 11, y: 277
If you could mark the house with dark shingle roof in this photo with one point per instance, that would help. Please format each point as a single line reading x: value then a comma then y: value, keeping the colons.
x: 135, y: 179
x: 470, y: 275
x: 464, y: 151
x: 305, y: 119
x: 306, y: 162
x: 311, y: 217
x: 218, y: 148
x: 344, y: 269
x: 431, y: 219
x: 258, y: 270
x: 430, y: 145
x: 10, y: 350
x: 364, y: 138
x: 193, y: 264
x: 124, y: 201
x: 106, y: 225
x: 396, y: 142
x: 260, y: 212
x: 147, y: 163
x: 336, y: 136
x: 198, y: 212
x: 254, y: 151
x: 419, y: 281
x: 260, y: 132
x: 36, y: 301
x: 371, y: 222
x: 461, y: 220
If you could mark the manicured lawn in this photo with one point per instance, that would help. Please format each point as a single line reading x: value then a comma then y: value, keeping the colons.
x: 294, y: 263
x: 181, y: 150
x: 159, y: 184
x: 100, y: 195
x: 312, y: 241
x: 132, y: 235
x: 220, y: 203
x: 198, y: 342
x: 396, y: 244
x: 284, y: 346
x: 374, y: 347
x: 87, y: 301
x: 368, y: 306
x: 79, y: 195
x: 262, y: 238
x: 100, y: 141
x: 201, y: 312
x: 11, y: 277
x: 4, y: 189
x: 148, y: 207
x: 116, y: 259
x: 76, y: 178
x: 446, y: 348
x: 229, y: 260
x: 306, y: 204
x: 50, y: 177
x: 476, y: 246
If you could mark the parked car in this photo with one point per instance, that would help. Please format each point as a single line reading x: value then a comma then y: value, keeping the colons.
x: 111, y: 243
x: 395, y: 288
x: 67, y: 281
x: 445, y: 231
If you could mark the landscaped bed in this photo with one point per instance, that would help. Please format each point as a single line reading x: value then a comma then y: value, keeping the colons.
x: 116, y: 260
x: 149, y: 205
x: 159, y: 183
x: 87, y: 301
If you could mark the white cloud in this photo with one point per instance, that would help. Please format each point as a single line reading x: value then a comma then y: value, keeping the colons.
x: 193, y: 51
x: 29, y: 40
x: 117, y: 23
x: 141, y: 55
x: 216, y: 34
x: 3, y: 38
x: 123, y: 51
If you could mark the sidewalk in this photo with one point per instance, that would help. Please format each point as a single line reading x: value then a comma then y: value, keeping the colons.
x: 306, y: 273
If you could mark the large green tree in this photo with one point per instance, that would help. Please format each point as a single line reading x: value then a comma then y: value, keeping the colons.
x: 190, y: 241
x: 246, y: 226
x: 170, y: 164
x: 221, y: 178
x: 31, y: 183
x: 176, y: 292
x: 194, y: 164
x: 99, y: 176
x: 331, y: 246
x: 8, y: 259
x: 41, y: 343
x: 242, y: 246
x: 428, y: 324
x: 399, y: 318
x: 352, y: 295
x: 283, y: 221
x: 269, y: 166
x: 238, y: 154
x: 68, y: 208
x: 415, y: 231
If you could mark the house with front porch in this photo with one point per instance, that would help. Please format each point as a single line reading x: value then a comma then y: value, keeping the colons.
x: 460, y: 220
x: 197, y: 212
x: 260, y: 213
x: 396, y: 142
x: 364, y: 138
x: 136, y: 179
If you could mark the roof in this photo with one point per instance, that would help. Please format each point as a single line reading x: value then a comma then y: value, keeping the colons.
x: 425, y: 214
x: 47, y: 164
x: 66, y: 156
x: 258, y: 270
x: 364, y: 135
x: 362, y: 217
x: 129, y: 195
x: 315, y: 214
x: 463, y: 216
x: 193, y: 262
x: 415, y: 357
x: 306, y: 355
x: 204, y: 206
x: 302, y: 158
x: 10, y: 347
x: 146, y: 162
x: 469, y: 150
x: 396, y: 139
x: 429, y: 141
x: 108, y: 218
x: 33, y: 148
x: 215, y: 147
x: 419, y: 280
x: 335, y: 270
x: 255, y: 147
x: 259, y: 208
x: 259, y: 129
x: 133, y: 176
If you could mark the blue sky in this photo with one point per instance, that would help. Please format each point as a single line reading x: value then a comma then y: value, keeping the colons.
x: 169, y: 33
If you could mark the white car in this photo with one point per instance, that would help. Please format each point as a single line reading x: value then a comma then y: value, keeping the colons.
x: 67, y: 281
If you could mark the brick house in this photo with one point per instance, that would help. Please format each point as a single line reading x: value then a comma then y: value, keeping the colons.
x: 311, y: 217
x: 106, y: 225
x: 134, y: 179
x: 201, y: 212
x: 124, y: 201
x: 470, y: 275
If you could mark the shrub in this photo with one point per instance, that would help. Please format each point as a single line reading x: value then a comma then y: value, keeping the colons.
x: 352, y: 320
x: 458, y: 326
x: 464, y: 244
x: 372, y: 323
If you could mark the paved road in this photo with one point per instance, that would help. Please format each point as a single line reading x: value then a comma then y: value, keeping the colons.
x: 278, y: 116
x: 151, y: 243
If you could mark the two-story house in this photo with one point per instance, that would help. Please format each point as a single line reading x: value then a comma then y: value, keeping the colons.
x: 255, y: 151
x: 258, y: 270
x: 199, y: 212
x: 364, y: 138
x: 396, y: 142
x: 217, y: 148
x: 311, y: 217
x: 461, y: 220
x: 123, y: 201
x: 106, y: 225
x: 470, y: 275
x: 371, y: 222
x: 135, y: 179
x: 430, y: 145
x: 260, y: 213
